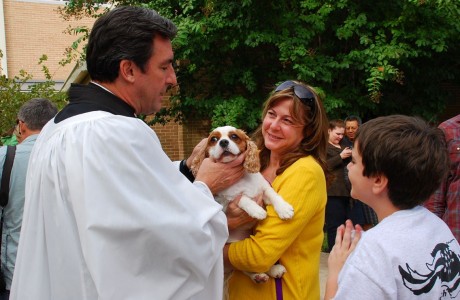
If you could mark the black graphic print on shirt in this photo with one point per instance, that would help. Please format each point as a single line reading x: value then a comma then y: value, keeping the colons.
x: 443, y: 270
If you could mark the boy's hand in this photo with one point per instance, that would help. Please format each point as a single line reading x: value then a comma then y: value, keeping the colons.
x: 344, y: 245
x: 345, y: 242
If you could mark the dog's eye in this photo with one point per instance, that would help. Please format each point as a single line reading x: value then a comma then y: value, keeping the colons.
x: 234, y: 137
x: 214, y: 139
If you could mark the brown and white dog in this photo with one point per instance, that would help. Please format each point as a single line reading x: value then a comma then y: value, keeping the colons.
x: 224, y: 145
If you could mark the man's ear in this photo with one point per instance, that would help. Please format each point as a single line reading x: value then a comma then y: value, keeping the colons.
x: 380, y: 184
x: 22, y: 127
x: 127, y: 70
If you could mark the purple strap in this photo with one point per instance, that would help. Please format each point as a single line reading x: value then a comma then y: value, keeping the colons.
x: 279, y: 289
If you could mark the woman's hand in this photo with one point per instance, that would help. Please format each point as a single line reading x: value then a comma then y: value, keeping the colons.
x: 345, y: 153
x: 236, y: 217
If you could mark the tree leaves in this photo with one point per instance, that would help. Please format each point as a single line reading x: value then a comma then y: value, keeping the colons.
x: 369, y: 57
x: 17, y: 90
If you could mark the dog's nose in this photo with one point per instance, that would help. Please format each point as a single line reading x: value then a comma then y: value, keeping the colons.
x: 223, y: 143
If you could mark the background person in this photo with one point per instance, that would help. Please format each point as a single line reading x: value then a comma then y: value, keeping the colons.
x: 445, y: 202
x: 107, y: 214
x: 32, y: 116
x: 398, y: 161
x: 338, y: 194
x: 292, y: 140
x: 352, y: 124
x: 360, y: 212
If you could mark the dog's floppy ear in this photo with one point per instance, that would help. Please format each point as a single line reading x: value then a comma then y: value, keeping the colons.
x: 196, y: 162
x: 252, y: 161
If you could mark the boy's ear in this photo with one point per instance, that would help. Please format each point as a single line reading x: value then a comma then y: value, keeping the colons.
x: 380, y: 184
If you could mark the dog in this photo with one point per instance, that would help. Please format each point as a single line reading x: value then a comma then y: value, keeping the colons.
x: 224, y: 145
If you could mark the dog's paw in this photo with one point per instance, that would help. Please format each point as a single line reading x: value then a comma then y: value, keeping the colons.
x: 277, y: 271
x: 284, y: 210
x: 259, y: 277
x: 257, y: 213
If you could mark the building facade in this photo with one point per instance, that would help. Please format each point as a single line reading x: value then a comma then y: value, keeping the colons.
x: 30, y: 29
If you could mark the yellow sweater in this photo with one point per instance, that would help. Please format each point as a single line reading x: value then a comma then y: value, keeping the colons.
x: 296, y: 243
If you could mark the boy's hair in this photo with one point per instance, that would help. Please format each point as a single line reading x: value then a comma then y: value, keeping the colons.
x: 336, y: 123
x: 409, y: 152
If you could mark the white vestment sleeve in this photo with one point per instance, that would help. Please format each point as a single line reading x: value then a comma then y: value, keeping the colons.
x: 109, y: 216
x: 203, y: 188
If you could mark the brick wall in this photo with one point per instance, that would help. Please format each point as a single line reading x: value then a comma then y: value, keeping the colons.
x: 194, y: 132
x: 178, y: 140
x: 34, y: 28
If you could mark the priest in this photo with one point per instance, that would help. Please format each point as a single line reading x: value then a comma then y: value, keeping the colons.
x: 107, y: 214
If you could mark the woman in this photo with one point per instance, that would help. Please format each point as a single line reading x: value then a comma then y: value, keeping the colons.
x: 338, y: 195
x: 292, y: 140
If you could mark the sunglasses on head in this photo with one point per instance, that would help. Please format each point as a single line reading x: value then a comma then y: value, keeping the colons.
x: 304, y: 94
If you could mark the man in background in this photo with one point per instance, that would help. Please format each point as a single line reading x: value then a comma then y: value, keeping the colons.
x: 32, y: 116
x: 352, y: 124
x: 445, y: 202
x: 360, y: 213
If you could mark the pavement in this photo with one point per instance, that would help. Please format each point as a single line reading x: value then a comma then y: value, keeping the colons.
x: 323, y: 272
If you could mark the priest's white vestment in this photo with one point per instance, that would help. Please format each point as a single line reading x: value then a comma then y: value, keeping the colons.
x: 109, y: 216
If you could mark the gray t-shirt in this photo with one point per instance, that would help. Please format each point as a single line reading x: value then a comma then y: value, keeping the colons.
x: 411, y: 254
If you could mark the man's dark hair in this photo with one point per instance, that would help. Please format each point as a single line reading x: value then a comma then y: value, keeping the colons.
x: 353, y: 118
x: 37, y: 112
x: 409, y: 152
x: 125, y: 32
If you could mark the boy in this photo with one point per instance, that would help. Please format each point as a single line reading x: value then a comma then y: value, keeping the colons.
x: 397, y: 163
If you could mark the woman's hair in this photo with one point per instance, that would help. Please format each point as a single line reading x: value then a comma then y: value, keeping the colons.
x: 336, y: 123
x: 125, y: 32
x: 315, y: 124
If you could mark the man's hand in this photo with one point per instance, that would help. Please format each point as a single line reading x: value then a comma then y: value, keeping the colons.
x: 345, y: 242
x: 219, y: 176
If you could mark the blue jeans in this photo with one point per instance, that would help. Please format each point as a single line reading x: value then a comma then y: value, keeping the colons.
x: 357, y: 213
x: 337, y: 212
x: 5, y: 295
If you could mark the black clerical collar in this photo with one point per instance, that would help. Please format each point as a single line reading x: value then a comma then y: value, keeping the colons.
x: 92, y: 97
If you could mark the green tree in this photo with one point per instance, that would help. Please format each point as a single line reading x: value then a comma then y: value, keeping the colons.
x: 16, y: 91
x: 366, y: 57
